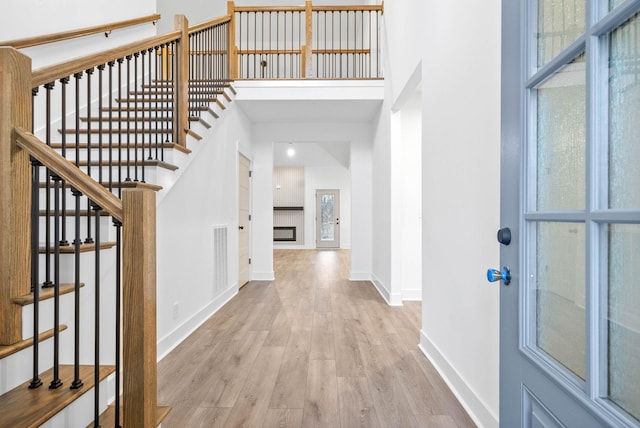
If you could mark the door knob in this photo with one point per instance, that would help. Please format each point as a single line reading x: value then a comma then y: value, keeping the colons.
x: 241, y: 227
x: 503, y: 275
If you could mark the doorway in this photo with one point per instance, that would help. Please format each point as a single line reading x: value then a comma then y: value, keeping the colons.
x: 328, y: 218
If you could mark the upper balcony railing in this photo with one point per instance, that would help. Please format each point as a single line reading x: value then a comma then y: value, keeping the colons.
x: 306, y: 42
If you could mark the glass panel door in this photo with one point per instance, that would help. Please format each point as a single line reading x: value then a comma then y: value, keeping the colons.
x: 575, y: 259
x: 328, y: 218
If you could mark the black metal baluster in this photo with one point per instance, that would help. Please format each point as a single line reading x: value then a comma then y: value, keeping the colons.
x: 89, y: 73
x: 35, y: 254
x: 47, y: 245
x: 156, y: 111
x: 150, y: 79
x: 135, y: 109
x: 176, y: 92
x: 145, y: 105
x: 56, y: 382
x: 118, y: 226
x: 110, y: 98
x: 77, y: 382
x: 120, y: 107
x: 100, y: 125
x: 96, y: 369
x: 128, y: 149
x: 63, y: 151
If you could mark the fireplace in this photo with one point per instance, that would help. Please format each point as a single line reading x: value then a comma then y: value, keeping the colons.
x: 284, y: 233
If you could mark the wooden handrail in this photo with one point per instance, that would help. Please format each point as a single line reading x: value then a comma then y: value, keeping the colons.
x: 208, y: 24
x: 270, y: 8
x: 58, y: 71
x: 69, y: 172
x: 358, y: 8
x: 81, y: 32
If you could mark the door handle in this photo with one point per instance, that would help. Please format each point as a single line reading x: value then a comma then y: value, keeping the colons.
x: 503, y: 275
x: 337, y: 221
x: 241, y: 227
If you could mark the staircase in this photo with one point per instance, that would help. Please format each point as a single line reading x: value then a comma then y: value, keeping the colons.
x: 119, y: 127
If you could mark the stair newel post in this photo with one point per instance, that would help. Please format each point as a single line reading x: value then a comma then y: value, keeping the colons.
x: 139, y: 308
x: 15, y: 203
x: 231, y: 42
x: 308, y: 42
x: 181, y: 83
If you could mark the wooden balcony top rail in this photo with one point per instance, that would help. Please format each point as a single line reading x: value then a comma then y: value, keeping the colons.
x: 208, y: 24
x: 356, y: 8
x: 334, y: 8
x: 58, y: 71
x: 336, y: 51
x: 70, y: 173
x: 269, y: 9
x: 81, y: 32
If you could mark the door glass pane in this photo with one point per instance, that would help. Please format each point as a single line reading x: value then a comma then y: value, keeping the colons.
x: 561, y: 136
x: 614, y: 3
x: 624, y: 317
x: 560, y: 22
x: 327, y: 228
x: 560, y: 293
x: 624, y: 115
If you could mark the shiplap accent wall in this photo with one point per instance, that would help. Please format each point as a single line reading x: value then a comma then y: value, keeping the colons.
x: 288, y: 191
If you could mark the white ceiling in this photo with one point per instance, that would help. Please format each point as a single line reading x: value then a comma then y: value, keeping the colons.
x: 309, y: 153
x: 281, y: 111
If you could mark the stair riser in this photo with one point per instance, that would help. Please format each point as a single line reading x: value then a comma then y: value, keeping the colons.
x: 162, y: 136
x: 80, y: 412
x: 87, y: 268
x: 120, y: 154
x: 107, y: 232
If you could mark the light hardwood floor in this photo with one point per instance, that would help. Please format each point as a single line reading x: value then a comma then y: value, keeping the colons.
x: 310, y: 349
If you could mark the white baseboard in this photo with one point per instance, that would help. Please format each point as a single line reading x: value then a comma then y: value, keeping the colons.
x: 173, y: 339
x: 392, y: 299
x: 263, y: 276
x: 480, y: 414
x: 359, y: 276
x: 412, y: 295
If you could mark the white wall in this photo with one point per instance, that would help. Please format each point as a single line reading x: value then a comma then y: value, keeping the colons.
x: 461, y: 186
x: 205, y: 195
x: 406, y: 200
x: 28, y: 18
x: 381, y: 210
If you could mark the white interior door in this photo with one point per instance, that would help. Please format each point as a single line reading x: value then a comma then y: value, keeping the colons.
x: 243, y: 219
x: 570, y: 195
x: 327, y: 218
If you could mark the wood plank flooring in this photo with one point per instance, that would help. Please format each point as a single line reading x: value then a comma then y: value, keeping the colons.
x: 310, y: 349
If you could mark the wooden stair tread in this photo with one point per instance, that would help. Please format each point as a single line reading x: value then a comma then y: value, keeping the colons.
x: 122, y: 145
x: 132, y: 162
x: 104, y: 130
x: 23, y: 407
x: 115, y: 184
x: 71, y: 213
x: 45, y: 293
x: 108, y: 418
x: 125, y: 119
x: 6, y: 350
x: 135, y: 185
x: 138, y: 108
x: 166, y: 91
x: 84, y: 248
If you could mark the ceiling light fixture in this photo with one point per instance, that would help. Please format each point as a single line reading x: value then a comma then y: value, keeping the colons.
x: 290, y: 150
